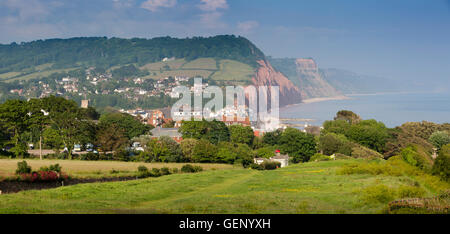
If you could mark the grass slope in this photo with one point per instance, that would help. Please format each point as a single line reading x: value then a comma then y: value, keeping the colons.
x: 304, y: 188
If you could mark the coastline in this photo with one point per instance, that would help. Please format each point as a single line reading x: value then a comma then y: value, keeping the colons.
x: 323, y: 99
x: 320, y: 99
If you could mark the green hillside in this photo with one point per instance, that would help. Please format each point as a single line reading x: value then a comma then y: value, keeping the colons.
x: 108, y: 52
x: 316, y: 187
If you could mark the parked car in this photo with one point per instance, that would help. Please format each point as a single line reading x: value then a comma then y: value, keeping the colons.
x: 77, y: 148
x: 89, y: 147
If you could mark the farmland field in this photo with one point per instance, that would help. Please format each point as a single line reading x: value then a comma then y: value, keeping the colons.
x: 303, y: 188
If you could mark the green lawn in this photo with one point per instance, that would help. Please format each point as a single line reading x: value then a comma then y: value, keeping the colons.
x: 234, y: 71
x: 304, y: 188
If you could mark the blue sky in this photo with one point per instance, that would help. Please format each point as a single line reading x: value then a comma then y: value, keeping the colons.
x: 407, y: 40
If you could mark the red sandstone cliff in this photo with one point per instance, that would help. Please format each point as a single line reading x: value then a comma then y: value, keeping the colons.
x: 312, y: 84
x: 266, y: 75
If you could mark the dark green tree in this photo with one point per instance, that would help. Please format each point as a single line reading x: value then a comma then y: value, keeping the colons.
x: 241, y: 134
x: 297, y: 144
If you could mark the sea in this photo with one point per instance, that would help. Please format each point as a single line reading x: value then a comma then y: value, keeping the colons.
x: 393, y: 109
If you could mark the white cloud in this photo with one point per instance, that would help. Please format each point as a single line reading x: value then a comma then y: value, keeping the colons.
x: 213, y: 5
x: 118, y: 4
x: 247, y: 26
x: 154, y: 5
x: 27, y: 9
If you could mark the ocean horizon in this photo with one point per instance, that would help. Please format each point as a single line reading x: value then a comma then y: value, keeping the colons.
x: 393, y: 109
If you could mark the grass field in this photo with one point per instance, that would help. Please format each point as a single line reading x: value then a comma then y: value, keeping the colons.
x: 95, y: 169
x: 229, y: 70
x: 233, y: 70
x: 303, y: 188
x: 38, y: 74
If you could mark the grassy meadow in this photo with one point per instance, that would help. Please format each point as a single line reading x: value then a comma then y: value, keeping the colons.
x: 95, y: 169
x: 315, y: 187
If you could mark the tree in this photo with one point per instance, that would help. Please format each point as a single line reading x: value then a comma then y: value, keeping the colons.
x: 226, y: 153
x: 131, y: 126
x: 337, y: 126
x: 369, y: 133
x: 439, y: 139
x: 213, y: 131
x: 111, y: 138
x: 241, y: 134
x: 187, y: 147
x: 272, y: 138
x: 175, y: 153
x: 65, y: 117
x: 39, y: 119
x: 332, y: 143
x: 156, y: 151
x: 297, y: 144
x: 52, y: 139
x: 204, y: 151
x: 348, y: 116
x: 15, y: 119
x: 266, y: 152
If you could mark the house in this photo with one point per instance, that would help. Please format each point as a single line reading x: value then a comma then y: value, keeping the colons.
x: 282, y: 159
x: 170, y: 132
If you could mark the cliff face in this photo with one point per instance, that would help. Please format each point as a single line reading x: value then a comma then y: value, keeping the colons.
x: 311, y: 82
x: 266, y: 75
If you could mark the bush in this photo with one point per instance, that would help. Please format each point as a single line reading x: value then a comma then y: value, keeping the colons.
x: 56, y: 168
x: 270, y: 165
x: 188, y: 168
x: 441, y: 165
x: 175, y: 170
x: 23, y: 168
x: 416, y: 156
x: 143, y: 172
x: 255, y: 166
x: 165, y: 171
x: 377, y: 194
x: 410, y: 192
x: 155, y: 172
x: 319, y: 157
x: 364, y: 152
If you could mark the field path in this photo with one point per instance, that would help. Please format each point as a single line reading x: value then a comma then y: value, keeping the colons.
x: 221, y: 186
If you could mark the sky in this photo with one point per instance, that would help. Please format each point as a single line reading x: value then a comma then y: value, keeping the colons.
x: 406, y: 40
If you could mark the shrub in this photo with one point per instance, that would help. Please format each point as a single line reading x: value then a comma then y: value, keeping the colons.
x: 410, y: 192
x: 175, y: 170
x: 416, y: 156
x: 165, y: 171
x: 441, y: 165
x: 23, y: 168
x: 143, y: 172
x: 319, y: 157
x: 255, y: 166
x: 377, y: 194
x: 155, y: 172
x: 188, y: 168
x: 364, y: 152
x: 270, y: 165
x: 56, y: 168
